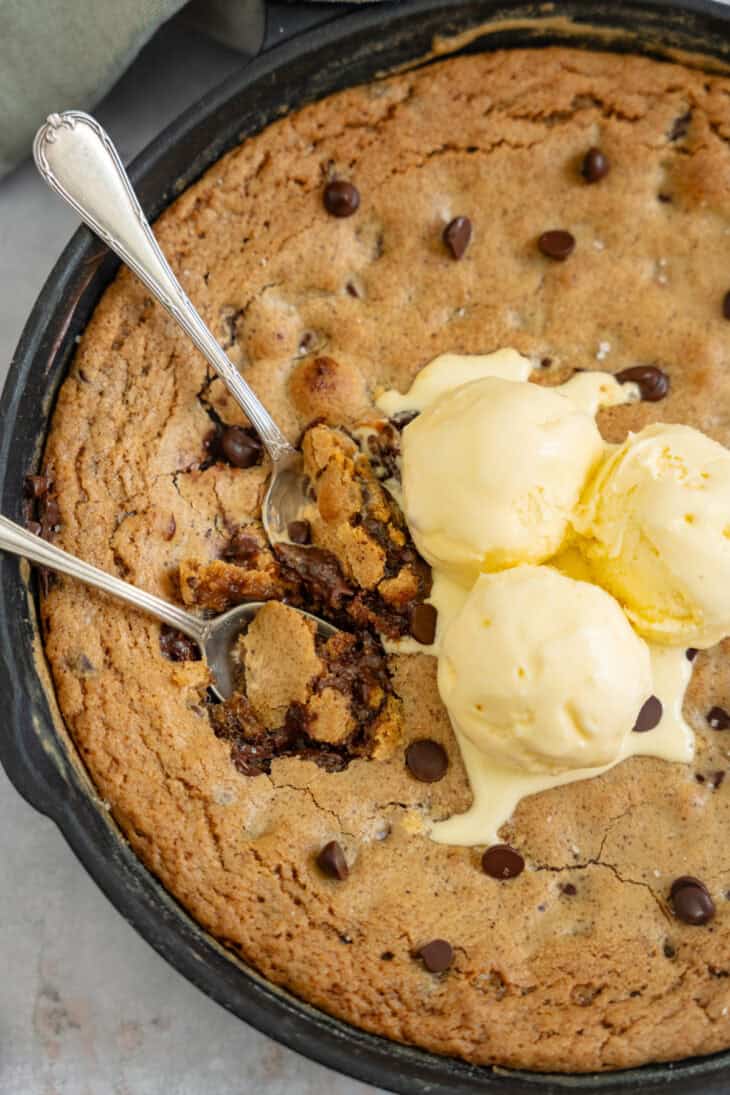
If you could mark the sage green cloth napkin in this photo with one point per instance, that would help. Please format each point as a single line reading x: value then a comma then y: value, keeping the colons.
x: 61, y: 54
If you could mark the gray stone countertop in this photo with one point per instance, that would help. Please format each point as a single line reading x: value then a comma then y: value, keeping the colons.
x: 86, y: 1006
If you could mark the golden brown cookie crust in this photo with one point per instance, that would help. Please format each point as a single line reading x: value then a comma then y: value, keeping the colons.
x: 605, y: 977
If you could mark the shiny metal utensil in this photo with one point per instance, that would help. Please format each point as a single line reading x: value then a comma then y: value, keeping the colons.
x: 214, y: 637
x: 78, y: 160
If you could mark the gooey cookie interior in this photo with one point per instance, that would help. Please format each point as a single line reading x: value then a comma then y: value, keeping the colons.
x: 575, y: 206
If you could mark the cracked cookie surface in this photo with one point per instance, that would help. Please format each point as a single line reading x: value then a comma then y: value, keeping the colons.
x: 578, y: 963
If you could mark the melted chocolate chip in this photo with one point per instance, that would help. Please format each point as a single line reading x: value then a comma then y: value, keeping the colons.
x: 436, y: 956
x: 653, y: 384
x: 718, y: 718
x: 680, y: 126
x: 50, y: 514
x: 423, y: 619
x: 383, y: 450
x: 691, y: 653
x: 331, y: 861
x: 595, y: 166
x: 241, y: 548
x: 341, y: 198
x: 36, y: 486
x: 178, y: 647
x: 568, y: 889
x: 649, y: 716
x: 556, y: 244
x: 240, y: 447
x: 456, y: 235
x: 300, y: 532
x: 318, y: 569
x: 500, y: 861
x: 691, y: 900
x: 665, y: 198
x: 726, y: 305
x: 402, y: 419
x: 426, y: 760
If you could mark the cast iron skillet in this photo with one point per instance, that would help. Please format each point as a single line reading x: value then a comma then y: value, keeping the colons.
x: 34, y: 748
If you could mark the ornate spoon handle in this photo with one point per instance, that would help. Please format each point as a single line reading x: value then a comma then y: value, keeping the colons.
x: 77, y: 159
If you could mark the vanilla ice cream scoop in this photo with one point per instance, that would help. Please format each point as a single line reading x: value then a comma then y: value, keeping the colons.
x: 656, y: 522
x: 491, y: 473
x: 542, y: 673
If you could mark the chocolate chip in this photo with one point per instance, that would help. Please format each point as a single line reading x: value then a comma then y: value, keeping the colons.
x: 83, y: 664
x: 36, y: 486
x: 686, y: 880
x: 436, y: 956
x: 556, y: 244
x: 680, y: 126
x: 653, y: 384
x: 718, y: 718
x: 545, y: 362
x: 665, y: 198
x: 352, y: 289
x: 426, y: 760
x: 691, y: 653
x: 716, y: 779
x: 300, y: 532
x: 699, y: 777
x: 51, y: 514
x: 177, y: 646
x: 240, y: 447
x: 456, y: 235
x: 241, y: 548
x: 501, y: 861
x: 649, y: 716
x: 595, y: 166
x: 726, y: 305
x: 170, y: 528
x: 691, y: 900
x: 423, y: 623
x: 568, y: 889
x: 341, y: 198
x: 318, y: 569
x: 402, y: 419
x: 669, y: 949
x: 331, y: 861
x: 307, y: 342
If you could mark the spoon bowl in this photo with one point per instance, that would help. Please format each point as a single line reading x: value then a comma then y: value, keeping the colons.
x: 216, y: 637
x: 286, y: 499
x: 218, y: 640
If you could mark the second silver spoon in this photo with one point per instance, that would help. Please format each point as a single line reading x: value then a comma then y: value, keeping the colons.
x: 215, y: 637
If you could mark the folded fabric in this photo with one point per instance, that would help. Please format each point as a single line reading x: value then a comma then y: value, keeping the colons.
x: 65, y: 54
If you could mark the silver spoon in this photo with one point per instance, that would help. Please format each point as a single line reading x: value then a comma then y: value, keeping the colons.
x: 214, y: 637
x: 77, y: 159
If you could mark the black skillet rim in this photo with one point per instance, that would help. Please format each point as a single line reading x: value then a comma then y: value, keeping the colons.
x: 32, y: 750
